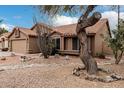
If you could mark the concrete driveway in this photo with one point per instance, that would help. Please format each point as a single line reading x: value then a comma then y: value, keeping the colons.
x: 2, y: 53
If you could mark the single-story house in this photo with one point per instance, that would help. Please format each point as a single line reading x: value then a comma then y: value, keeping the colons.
x: 24, y: 40
x: 66, y: 40
x: 4, y: 41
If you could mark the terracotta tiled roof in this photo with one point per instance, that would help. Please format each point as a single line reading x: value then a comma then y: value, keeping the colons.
x: 41, y: 24
x: 5, y: 34
x: 27, y: 31
x: 71, y: 28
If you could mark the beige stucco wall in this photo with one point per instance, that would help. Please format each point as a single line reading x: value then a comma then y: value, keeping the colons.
x: 4, y: 44
x: 100, y: 44
x: 22, y: 36
x: 18, y: 43
x: 33, y: 45
x: 68, y: 43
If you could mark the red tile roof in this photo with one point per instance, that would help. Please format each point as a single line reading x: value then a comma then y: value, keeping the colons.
x: 27, y: 31
x: 71, y: 28
x: 66, y: 30
x: 5, y: 34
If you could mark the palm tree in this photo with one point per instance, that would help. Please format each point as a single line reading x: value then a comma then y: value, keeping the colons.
x: 83, y: 22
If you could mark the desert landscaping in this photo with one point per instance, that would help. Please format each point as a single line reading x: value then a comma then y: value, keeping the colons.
x: 87, y: 53
x: 54, y: 72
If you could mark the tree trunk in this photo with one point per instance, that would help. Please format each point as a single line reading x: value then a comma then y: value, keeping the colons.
x: 118, y: 58
x: 85, y: 56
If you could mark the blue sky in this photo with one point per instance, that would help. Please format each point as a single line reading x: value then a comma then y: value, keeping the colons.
x: 22, y: 16
x: 17, y: 15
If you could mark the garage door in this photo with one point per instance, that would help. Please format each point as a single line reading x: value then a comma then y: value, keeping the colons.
x: 19, y: 46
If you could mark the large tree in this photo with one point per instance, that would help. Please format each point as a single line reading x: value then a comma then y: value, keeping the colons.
x: 45, y: 43
x: 83, y: 22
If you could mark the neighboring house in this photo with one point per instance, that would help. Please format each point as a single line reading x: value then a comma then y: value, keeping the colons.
x: 66, y: 40
x: 24, y: 40
x: 4, y: 41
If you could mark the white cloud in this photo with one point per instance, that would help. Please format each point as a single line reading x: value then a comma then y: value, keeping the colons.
x: 112, y: 17
x: 63, y: 20
x: 7, y: 26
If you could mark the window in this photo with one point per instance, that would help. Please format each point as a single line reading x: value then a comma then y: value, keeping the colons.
x: 75, y: 43
x: 57, y: 43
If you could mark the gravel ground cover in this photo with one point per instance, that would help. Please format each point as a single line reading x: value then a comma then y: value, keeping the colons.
x: 52, y: 73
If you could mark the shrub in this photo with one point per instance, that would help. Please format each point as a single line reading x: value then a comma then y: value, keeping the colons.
x: 100, y: 55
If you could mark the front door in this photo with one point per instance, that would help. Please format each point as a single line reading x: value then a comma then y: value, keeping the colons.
x: 91, y: 45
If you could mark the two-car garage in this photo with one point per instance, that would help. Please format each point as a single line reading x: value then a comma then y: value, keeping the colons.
x: 18, y: 46
x: 24, y: 40
x: 20, y: 41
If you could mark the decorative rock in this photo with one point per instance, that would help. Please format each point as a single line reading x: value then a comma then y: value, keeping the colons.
x: 30, y: 58
x: 3, y: 58
x: 117, y: 77
x: 41, y: 54
x: 12, y: 54
x: 108, y: 79
x: 90, y: 77
x: 1, y: 70
x: 23, y: 58
x: 75, y: 72
x: 67, y: 57
x: 56, y: 56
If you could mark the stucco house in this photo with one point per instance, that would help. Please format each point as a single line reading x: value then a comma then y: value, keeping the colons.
x: 24, y: 40
x: 4, y: 42
x: 66, y: 40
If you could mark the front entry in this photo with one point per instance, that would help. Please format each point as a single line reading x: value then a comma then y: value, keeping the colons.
x: 91, y: 45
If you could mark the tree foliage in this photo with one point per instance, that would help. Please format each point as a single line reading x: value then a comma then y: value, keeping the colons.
x: 117, y: 41
x: 44, y: 40
x: 53, y: 10
x: 3, y: 30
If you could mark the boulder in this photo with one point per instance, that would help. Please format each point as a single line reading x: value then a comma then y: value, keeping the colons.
x: 12, y: 54
x: 41, y: 54
x: 23, y: 58
x: 67, y: 57
x: 3, y: 58
x: 56, y: 56
x: 108, y: 79
x: 117, y: 77
x: 76, y: 72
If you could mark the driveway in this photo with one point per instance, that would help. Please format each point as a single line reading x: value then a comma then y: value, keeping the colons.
x: 2, y: 53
